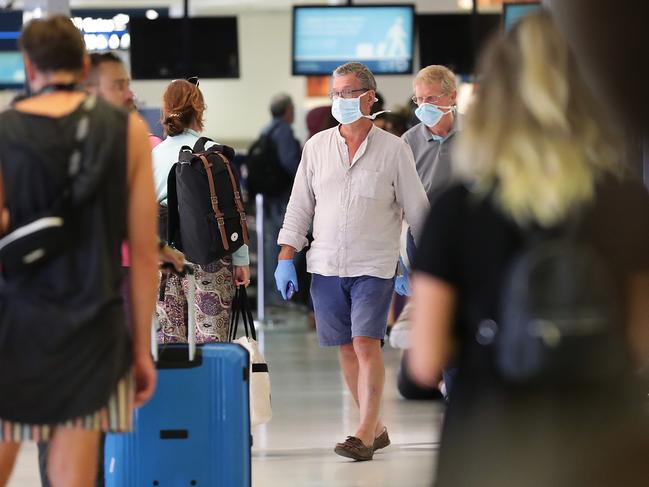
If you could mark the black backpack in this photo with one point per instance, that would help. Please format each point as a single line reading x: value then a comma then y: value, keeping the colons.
x: 561, y: 319
x: 206, y: 217
x: 266, y: 175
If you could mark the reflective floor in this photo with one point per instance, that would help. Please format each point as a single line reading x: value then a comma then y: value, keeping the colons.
x: 312, y: 411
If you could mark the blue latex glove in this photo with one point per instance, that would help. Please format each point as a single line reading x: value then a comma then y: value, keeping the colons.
x: 402, y: 281
x: 285, y: 273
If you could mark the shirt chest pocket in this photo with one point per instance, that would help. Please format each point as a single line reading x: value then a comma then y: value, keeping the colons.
x: 372, y: 184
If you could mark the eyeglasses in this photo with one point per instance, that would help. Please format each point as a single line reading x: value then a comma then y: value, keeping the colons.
x: 346, y: 93
x: 431, y: 100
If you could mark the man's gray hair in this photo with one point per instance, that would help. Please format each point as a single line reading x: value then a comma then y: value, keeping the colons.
x: 362, y: 72
x: 279, y: 104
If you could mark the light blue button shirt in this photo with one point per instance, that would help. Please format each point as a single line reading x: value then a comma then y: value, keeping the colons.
x: 165, y: 155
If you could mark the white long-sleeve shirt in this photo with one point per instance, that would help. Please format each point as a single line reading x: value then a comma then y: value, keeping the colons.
x: 356, y: 209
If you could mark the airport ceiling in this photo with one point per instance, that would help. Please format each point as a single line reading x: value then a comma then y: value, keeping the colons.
x: 202, y: 5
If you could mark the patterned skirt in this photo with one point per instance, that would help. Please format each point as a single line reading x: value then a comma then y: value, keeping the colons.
x: 214, y: 294
x: 115, y: 417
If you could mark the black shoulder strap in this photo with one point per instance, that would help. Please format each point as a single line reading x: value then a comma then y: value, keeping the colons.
x: 199, y: 146
x: 185, y: 153
x: 173, y: 218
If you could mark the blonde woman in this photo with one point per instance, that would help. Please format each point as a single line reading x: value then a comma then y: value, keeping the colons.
x: 533, y: 152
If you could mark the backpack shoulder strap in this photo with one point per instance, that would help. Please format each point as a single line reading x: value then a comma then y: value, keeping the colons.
x: 215, y: 201
x: 173, y: 218
x: 237, y: 198
x: 199, y: 146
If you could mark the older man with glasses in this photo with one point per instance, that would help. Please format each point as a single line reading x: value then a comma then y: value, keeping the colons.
x: 431, y: 142
x: 354, y: 184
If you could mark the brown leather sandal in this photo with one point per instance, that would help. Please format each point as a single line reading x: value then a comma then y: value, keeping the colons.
x: 354, y: 448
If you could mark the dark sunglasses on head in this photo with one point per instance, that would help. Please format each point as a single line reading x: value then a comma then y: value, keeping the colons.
x: 192, y: 79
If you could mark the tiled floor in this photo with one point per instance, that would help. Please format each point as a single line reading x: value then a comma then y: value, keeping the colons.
x: 312, y: 411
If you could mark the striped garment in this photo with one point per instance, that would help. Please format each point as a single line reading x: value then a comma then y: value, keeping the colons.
x: 115, y: 417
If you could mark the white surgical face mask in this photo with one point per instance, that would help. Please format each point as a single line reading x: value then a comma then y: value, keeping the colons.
x: 430, y: 115
x: 348, y: 110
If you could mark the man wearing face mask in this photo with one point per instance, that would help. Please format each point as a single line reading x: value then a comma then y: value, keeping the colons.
x: 354, y: 184
x: 431, y: 142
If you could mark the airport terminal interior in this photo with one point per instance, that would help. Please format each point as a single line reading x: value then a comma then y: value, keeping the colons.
x: 248, y: 57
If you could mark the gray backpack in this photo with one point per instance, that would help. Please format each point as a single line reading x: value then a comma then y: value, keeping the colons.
x: 561, y: 319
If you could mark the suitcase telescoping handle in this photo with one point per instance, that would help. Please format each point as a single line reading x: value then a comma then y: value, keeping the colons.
x: 191, y: 311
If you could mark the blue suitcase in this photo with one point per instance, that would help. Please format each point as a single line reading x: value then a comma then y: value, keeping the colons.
x: 195, y: 430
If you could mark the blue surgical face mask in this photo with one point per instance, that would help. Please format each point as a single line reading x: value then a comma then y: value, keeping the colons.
x: 348, y: 110
x: 430, y: 115
x: 437, y: 138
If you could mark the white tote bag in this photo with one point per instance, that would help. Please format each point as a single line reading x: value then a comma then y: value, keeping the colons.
x: 260, y: 403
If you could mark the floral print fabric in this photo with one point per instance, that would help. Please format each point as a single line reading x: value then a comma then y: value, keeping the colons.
x: 214, y: 293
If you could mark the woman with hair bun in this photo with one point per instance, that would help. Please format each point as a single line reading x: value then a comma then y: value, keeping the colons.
x: 183, y: 108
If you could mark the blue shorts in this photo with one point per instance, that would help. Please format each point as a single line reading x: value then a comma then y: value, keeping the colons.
x: 347, y: 307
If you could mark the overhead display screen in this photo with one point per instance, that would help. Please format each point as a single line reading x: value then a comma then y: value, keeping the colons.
x: 380, y: 37
x: 464, y: 36
x: 207, y: 47
x: 513, y: 12
x: 12, y: 71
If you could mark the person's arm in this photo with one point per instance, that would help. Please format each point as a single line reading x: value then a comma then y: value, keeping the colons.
x: 143, y: 251
x: 433, y: 307
x: 299, y: 212
x: 169, y: 255
x: 410, y: 193
x: 435, y: 289
x: 241, y: 262
x: 638, y: 319
x: 286, y: 252
x: 241, y: 257
x: 298, y: 219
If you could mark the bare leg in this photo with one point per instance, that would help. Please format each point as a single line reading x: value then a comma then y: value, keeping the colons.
x: 73, y: 457
x: 371, y: 378
x: 8, y: 452
x: 349, y: 366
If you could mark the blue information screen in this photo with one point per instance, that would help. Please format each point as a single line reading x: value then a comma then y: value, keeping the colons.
x: 380, y: 37
x: 514, y: 12
x: 12, y: 71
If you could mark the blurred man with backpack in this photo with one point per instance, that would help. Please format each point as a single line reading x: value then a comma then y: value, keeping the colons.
x: 272, y: 163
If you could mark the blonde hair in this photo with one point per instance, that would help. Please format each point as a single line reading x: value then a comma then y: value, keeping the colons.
x: 437, y: 74
x: 533, y: 134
